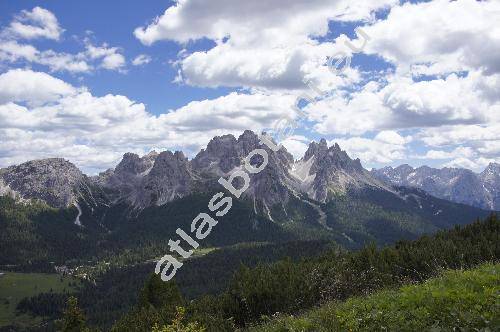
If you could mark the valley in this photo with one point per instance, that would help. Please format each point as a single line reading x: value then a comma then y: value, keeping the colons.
x: 110, y: 230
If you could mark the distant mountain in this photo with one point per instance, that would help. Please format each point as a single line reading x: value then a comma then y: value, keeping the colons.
x: 324, y: 195
x: 55, y: 181
x: 454, y: 184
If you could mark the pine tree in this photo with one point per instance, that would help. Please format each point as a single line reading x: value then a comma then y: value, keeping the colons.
x: 73, y: 318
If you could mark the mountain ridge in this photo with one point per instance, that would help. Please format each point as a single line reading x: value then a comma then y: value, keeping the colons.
x: 143, y: 200
x: 159, y: 178
x: 454, y: 184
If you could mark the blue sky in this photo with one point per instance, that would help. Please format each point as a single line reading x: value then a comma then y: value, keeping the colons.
x: 423, y: 90
x: 114, y: 25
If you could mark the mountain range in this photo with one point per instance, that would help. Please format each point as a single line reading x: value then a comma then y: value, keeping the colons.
x: 324, y: 195
x: 159, y: 178
x: 455, y: 184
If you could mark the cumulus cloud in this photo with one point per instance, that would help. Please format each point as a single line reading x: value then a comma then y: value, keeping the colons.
x: 110, y: 57
x: 439, y: 37
x: 440, y: 81
x: 141, y: 59
x: 222, y: 18
x: 385, y: 147
x: 470, y: 146
x: 297, y: 145
x: 34, y: 88
x: 234, y: 111
x: 42, y: 116
x: 258, y: 44
x: 37, y: 23
x: 13, y: 51
x: 86, y: 61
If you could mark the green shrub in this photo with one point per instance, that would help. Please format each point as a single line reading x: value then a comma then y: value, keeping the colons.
x: 455, y: 301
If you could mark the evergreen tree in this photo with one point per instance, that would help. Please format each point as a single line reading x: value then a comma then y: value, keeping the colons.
x: 178, y: 324
x: 160, y: 294
x: 73, y: 318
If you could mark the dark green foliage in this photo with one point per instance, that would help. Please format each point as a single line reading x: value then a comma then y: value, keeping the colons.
x: 288, y: 287
x: 73, y: 318
x: 34, y: 234
x: 379, y: 216
x: 456, y: 301
x: 158, y: 302
x: 160, y: 294
x: 117, y: 291
x: 44, y: 305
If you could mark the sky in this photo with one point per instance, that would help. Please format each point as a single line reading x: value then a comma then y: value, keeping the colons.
x: 90, y: 80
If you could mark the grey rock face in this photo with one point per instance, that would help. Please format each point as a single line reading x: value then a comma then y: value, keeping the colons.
x: 454, y: 184
x: 156, y: 179
x: 333, y: 171
x: 125, y: 181
x: 55, y: 181
x: 171, y: 177
x: 133, y: 164
x: 226, y: 153
x: 270, y: 186
x: 490, y: 178
x: 221, y: 156
x: 153, y: 179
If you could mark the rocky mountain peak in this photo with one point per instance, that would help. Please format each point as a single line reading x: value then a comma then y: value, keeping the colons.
x: 492, y: 171
x: 490, y: 178
x: 158, y: 178
x: 169, y: 163
x: 404, y: 168
x: 220, y: 156
x: 332, y: 157
x: 171, y: 177
x: 332, y: 170
x: 55, y: 181
x: 454, y: 184
x: 316, y: 149
x: 131, y: 163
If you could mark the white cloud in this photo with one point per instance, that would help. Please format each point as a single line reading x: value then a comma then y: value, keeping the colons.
x: 460, y: 134
x: 111, y: 57
x: 103, y: 56
x: 453, y: 115
x: 64, y: 62
x: 12, y: 51
x: 385, y: 147
x: 34, y: 88
x: 471, y: 146
x: 440, y: 36
x: 235, y: 111
x: 296, y: 145
x: 475, y: 165
x: 41, y: 23
x: 402, y: 103
x: 59, y: 120
x: 258, y: 44
x: 141, y: 59
x: 113, y: 61
x: 222, y: 18
x: 37, y: 23
x: 459, y: 152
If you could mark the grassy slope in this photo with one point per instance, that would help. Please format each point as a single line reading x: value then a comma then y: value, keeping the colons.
x: 16, y: 286
x: 458, y: 299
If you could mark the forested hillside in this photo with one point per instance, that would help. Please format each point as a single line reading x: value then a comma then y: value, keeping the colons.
x: 457, y: 300
x: 290, y: 287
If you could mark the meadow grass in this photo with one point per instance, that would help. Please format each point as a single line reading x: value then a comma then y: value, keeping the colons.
x: 16, y: 286
x: 457, y: 300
